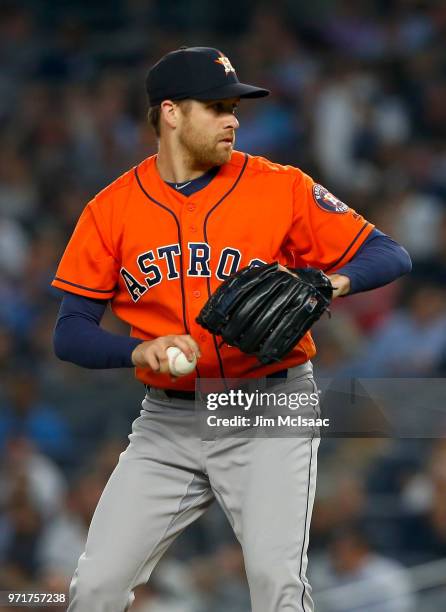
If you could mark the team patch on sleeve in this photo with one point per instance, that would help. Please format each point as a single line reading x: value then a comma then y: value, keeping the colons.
x: 327, y: 201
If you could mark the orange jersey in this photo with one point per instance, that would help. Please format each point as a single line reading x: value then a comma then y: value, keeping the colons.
x: 157, y: 255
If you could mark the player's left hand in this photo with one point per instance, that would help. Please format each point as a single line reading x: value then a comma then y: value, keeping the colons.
x: 341, y: 284
x: 264, y: 312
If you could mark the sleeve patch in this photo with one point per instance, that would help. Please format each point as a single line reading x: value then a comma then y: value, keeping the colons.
x: 327, y: 201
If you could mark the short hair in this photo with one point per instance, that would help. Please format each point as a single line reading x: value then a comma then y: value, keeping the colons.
x: 154, y: 114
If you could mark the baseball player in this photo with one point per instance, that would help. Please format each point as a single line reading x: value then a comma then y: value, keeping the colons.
x: 155, y: 244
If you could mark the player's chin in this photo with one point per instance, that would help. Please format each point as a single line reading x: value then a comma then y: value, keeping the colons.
x: 224, y: 151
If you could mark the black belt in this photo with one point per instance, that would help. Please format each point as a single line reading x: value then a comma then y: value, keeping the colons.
x: 190, y: 395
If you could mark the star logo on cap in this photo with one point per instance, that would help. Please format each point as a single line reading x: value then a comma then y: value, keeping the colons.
x: 224, y: 61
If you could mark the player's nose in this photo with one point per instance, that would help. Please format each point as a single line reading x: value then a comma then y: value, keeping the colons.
x: 232, y: 123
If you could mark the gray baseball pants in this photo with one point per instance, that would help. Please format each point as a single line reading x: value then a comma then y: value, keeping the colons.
x: 165, y: 480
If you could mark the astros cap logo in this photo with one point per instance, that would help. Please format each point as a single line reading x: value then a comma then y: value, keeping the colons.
x: 224, y: 61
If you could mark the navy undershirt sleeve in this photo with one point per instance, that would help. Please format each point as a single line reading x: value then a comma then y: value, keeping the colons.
x: 379, y: 261
x: 78, y: 337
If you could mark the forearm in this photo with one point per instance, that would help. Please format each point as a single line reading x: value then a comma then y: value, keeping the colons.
x: 379, y: 262
x: 78, y: 337
x: 86, y: 344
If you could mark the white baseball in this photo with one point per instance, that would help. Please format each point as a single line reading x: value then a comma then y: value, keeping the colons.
x: 179, y: 365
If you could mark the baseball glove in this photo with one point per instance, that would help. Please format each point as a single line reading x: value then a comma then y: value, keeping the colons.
x: 265, y: 311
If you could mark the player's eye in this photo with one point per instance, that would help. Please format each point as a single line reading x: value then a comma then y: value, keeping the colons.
x: 222, y: 107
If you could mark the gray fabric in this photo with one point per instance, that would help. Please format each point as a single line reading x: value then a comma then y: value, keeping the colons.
x: 165, y: 480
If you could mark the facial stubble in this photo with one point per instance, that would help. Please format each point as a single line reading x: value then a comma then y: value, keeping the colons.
x: 202, y: 152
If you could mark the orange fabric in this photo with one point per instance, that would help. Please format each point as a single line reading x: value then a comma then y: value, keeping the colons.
x: 174, y: 250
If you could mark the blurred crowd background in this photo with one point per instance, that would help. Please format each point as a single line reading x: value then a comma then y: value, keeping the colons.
x: 359, y: 102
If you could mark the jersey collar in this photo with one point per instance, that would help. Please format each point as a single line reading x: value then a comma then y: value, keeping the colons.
x: 224, y: 182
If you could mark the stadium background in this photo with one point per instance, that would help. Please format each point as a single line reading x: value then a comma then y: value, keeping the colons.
x: 359, y: 102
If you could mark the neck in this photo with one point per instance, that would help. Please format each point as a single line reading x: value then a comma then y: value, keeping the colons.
x: 175, y: 166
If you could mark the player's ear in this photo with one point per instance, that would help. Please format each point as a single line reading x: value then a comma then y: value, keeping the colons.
x: 169, y: 113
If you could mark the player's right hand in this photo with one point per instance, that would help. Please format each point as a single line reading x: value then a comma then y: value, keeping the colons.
x: 152, y: 353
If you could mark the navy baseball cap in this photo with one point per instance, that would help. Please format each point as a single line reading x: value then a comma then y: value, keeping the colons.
x: 201, y: 73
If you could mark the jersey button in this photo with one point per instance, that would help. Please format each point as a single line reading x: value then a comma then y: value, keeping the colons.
x: 196, y: 294
x: 193, y: 228
x: 202, y: 337
x: 191, y: 207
